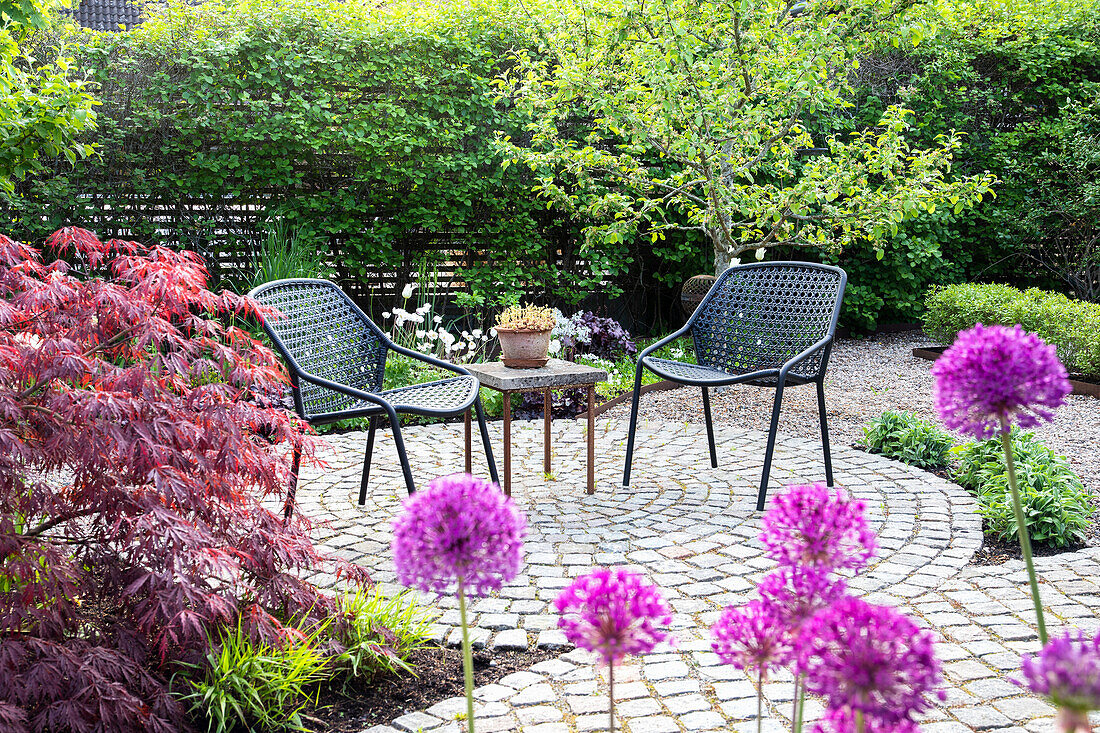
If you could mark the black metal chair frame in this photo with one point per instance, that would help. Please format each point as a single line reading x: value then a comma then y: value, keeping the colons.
x: 354, y: 401
x: 778, y: 374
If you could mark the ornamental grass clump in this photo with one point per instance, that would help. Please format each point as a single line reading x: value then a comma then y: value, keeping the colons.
x: 1067, y: 672
x: 614, y: 613
x: 461, y: 535
x: 990, y: 379
x: 872, y: 665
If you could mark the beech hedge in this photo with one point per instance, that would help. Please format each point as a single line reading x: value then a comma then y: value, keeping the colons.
x: 367, y: 127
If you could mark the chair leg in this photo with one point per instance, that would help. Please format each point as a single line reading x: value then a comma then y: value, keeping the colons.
x: 402, y: 455
x: 485, y: 441
x: 824, y: 433
x: 771, y: 448
x: 710, y: 428
x: 373, y: 424
x: 292, y: 490
x: 633, y: 424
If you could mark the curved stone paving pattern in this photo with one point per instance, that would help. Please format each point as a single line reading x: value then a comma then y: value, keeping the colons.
x: 692, y: 530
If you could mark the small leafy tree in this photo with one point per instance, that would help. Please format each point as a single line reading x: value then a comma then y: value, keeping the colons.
x: 651, y: 115
x: 139, y: 438
x: 42, y: 107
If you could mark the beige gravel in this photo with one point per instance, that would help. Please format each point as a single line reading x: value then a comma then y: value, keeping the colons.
x: 866, y: 377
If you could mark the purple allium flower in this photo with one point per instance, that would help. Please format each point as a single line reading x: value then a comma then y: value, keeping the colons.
x: 869, y: 659
x: 815, y: 526
x: 993, y: 376
x: 796, y: 594
x: 461, y: 529
x: 752, y: 636
x: 1066, y: 670
x: 613, y: 613
x: 844, y: 721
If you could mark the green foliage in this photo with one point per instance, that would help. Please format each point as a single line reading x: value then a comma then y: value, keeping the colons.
x: 288, y: 253
x: 358, y: 125
x: 255, y: 685
x: 1073, y: 326
x: 909, y: 439
x: 621, y: 372
x: 1057, y: 507
x: 666, y: 115
x: 1020, y: 81
x: 380, y: 633
x: 43, y: 105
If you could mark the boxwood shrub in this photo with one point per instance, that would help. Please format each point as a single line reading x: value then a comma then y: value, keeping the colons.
x: 1073, y: 326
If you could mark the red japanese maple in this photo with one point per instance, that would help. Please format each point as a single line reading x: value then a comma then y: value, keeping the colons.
x: 139, y: 436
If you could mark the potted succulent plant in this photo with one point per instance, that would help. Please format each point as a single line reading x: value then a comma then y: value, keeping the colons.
x: 524, y: 333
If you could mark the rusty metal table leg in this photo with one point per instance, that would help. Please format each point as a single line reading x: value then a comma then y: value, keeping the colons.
x: 469, y: 461
x: 591, y: 439
x: 507, y: 443
x: 546, y: 431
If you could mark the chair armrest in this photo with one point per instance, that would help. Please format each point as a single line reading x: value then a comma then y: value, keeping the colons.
x: 426, y: 358
x: 804, y: 354
x: 350, y: 391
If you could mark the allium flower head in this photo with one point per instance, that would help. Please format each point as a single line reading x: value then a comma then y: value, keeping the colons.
x: 994, y: 376
x: 613, y: 613
x: 869, y: 659
x: 1066, y: 670
x: 815, y: 526
x: 797, y: 593
x: 461, y: 529
x: 752, y: 636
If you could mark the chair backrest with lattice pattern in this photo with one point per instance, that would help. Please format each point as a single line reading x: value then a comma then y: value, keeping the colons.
x: 760, y: 315
x: 321, y: 331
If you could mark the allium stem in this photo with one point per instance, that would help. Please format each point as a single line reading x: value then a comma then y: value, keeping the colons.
x: 1021, y: 529
x: 611, y: 698
x: 760, y: 700
x: 799, y: 704
x: 467, y: 659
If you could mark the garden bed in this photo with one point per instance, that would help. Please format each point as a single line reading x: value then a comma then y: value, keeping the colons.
x: 1081, y: 384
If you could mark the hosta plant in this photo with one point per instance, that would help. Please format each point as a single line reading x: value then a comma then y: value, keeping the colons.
x: 138, y: 443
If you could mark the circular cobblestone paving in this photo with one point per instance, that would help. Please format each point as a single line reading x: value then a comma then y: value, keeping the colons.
x: 692, y: 530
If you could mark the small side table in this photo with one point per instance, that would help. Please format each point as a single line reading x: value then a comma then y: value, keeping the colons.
x: 557, y: 374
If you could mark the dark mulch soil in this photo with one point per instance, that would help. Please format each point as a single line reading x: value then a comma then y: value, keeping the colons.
x: 439, y: 676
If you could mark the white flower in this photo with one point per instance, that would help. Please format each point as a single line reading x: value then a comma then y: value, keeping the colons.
x: 432, y: 335
x: 407, y: 291
x: 419, y: 334
x: 438, y: 319
x: 446, y: 337
x: 465, y: 334
x: 476, y: 333
x: 760, y: 253
x: 424, y: 308
x: 493, y: 332
x: 555, y: 347
x: 386, y: 314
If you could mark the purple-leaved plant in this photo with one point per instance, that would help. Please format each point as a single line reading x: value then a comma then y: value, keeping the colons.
x: 1067, y: 672
x: 991, y: 378
x: 816, y: 527
x: 614, y: 613
x: 462, y: 534
x: 872, y: 664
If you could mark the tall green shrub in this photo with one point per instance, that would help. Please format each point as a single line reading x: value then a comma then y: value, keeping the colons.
x: 359, y: 125
x: 1021, y: 82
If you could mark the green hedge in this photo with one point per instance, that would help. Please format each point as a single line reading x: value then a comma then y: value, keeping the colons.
x: 367, y: 127
x: 1073, y: 326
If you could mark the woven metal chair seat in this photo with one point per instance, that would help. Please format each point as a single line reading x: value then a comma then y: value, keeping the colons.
x: 430, y: 398
x: 682, y: 371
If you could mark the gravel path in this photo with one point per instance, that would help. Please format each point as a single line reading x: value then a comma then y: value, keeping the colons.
x: 866, y: 377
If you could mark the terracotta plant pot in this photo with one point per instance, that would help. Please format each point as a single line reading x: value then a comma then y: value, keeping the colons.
x: 523, y: 348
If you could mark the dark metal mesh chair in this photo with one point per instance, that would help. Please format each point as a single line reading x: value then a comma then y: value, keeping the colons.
x: 337, y: 360
x: 767, y: 324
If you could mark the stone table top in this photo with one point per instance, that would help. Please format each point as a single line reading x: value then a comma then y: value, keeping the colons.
x: 556, y: 373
